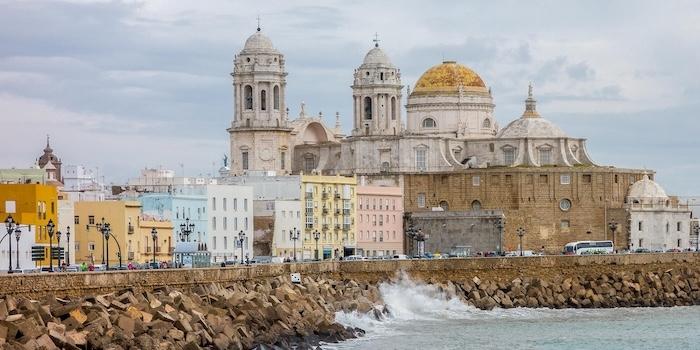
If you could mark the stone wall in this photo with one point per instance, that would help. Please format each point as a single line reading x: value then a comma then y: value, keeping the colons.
x: 456, y: 232
x: 497, y: 269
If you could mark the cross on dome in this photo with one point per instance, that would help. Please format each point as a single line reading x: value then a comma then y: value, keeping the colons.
x: 258, y: 18
x: 376, y: 39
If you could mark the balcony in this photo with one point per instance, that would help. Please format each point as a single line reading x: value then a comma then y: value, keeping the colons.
x: 324, y: 195
x: 337, y: 195
x: 325, y: 226
x: 325, y: 211
x: 337, y: 212
x: 346, y: 227
x: 309, y: 195
x: 130, y: 229
x: 337, y: 226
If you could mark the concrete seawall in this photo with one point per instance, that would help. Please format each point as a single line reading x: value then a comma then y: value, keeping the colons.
x: 497, y: 269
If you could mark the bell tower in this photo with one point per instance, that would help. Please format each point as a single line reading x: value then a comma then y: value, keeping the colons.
x: 260, y: 131
x: 376, y: 92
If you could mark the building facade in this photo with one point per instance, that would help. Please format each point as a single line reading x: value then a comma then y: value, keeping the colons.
x: 379, y: 221
x: 31, y: 206
x: 329, y: 209
x: 657, y: 222
x: 183, y: 204
x: 230, y: 216
x: 123, y: 218
x: 81, y: 184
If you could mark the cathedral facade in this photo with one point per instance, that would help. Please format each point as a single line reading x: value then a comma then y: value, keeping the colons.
x: 447, y: 153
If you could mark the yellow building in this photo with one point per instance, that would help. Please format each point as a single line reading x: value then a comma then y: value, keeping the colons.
x: 89, y: 242
x: 328, y: 211
x: 29, y: 204
x: 141, y: 249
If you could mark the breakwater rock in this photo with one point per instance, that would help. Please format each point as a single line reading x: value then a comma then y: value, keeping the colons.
x: 266, y: 314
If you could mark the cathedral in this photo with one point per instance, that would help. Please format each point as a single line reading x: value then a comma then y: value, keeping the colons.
x: 447, y: 153
x: 449, y: 123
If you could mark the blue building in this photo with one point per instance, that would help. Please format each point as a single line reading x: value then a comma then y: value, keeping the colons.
x: 177, y: 207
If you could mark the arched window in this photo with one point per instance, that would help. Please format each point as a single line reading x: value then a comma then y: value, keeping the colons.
x: 248, y: 97
x: 393, y: 108
x: 276, y: 97
x: 487, y: 123
x: 429, y: 123
x: 263, y: 100
x: 368, y: 108
x: 476, y: 205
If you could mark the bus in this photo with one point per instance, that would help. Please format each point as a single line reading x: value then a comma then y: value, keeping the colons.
x: 588, y: 247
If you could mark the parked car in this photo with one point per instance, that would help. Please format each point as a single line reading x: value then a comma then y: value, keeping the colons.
x: 262, y: 259
x: 354, y: 258
x: 400, y: 257
x: 673, y: 250
x: 642, y: 250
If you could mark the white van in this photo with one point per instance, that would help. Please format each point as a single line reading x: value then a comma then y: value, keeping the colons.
x: 354, y: 258
x: 400, y: 257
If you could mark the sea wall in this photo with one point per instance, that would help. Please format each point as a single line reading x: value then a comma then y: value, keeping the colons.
x: 496, y: 269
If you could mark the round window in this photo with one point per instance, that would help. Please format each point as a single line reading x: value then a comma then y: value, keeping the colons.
x: 565, y: 204
x: 247, y: 59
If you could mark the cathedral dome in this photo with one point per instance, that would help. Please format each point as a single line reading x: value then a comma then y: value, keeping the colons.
x: 646, y: 188
x: 258, y: 42
x: 531, y: 127
x: 449, y: 78
x: 376, y: 56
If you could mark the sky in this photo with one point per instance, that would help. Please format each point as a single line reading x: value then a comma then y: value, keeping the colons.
x: 124, y: 85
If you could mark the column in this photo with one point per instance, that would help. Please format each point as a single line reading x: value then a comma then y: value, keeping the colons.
x: 375, y: 114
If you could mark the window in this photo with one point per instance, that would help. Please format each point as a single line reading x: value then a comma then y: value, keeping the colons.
x: 565, y: 179
x: 678, y: 226
x: 213, y: 242
x: 76, y: 246
x: 91, y: 220
x: 586, y: 178
x: 276, y: 97
x: 639, y: 228
x: 495, y: 179
x: 263, y: 100
x: 76, y: 220
x: 225, y: 242
x: 213, y: 223
x: 213, y: 203
x: 509, y: 179
x: 235, y: 224
x: 476, y: 180
x: 225, y: 225
x: 421, y: 200
x: 381, y: 220
x: 544, y: 179
x: 283, y: 155
x: 245, y: 224
x: 509, y: 156
x: 393, y: 108
x: 309, y: 163
x: 678, y: 244
x: 368, y: 108
x: 565, y: 224
x: 476, y: 205
x: 309, y: 221
x: 486, y: 124
x: 420, y: 159
x: 545, y: 156
x: 235, y: 204
x: 248, y: 96
x: 91, y: 246
x: 429, y: 123
x: 565, y: 204
x: 224, y: 203
x: 245, y: 204
x: 668, y: 227
x: 244, y: 160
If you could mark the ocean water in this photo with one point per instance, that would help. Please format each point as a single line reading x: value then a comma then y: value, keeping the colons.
x: 423, y: 318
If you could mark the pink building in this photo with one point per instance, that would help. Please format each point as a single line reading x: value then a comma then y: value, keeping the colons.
x: 379, y: 220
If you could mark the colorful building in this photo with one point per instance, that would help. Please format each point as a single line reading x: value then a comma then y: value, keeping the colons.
x: 379, y: 220
x: 329, y: 214
x: 140, y: 249
x: 177, y: 207
x: 33, y: 205
x: 123, y: 219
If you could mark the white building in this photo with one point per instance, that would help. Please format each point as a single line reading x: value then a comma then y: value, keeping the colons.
x: 82, y: 184
x: 66, y: 223
x: 230, y: 212
x: 287, y: 218
x: 658, y: 222
x: 26, y: 241
x: 164, y: 180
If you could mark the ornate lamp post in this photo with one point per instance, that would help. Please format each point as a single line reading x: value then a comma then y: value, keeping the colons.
x: 241, y: 238
x: 521, y: 232
x: 154, y: 235
x: 68, y: 245
x: 613, y: 228
x: 294, y: 236
x: 49, y: 228
x: 18, y: 233
x: 104, y: 229
x: 185, y: 230
x: 697, y: 239
x: 317, y: 236
x: 58, y: 246
x: 500, y: 224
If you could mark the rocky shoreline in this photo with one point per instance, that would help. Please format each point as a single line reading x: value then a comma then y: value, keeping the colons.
x: 273, y: 313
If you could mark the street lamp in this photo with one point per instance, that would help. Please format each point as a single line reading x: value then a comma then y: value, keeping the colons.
x: 697, y: 238
x: 613, y: 228
x: 104, y: 229
x: 294, y: 236
x: 317, y: 236
x: 18, y: 233
x: 500, y: 224
x: 68, y: 244
x: 58, y: 244
x: 154, y: 235
x: 13, y: 227
x: 185, y: 230
x: 49, y: 227
x: 241, y: 238
x: 521, y: 232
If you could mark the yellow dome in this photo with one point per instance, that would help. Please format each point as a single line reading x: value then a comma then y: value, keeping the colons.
x: 448, y: 77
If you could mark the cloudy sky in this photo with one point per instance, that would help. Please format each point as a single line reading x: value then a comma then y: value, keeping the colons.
x: 129, y: 84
